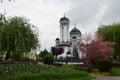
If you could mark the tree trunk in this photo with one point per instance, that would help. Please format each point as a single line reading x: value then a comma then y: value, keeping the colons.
x: 7, y: 55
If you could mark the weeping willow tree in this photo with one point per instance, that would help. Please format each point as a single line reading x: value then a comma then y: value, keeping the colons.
x: 111, y: 33
x: 17, y: 36
x: 2, y: 22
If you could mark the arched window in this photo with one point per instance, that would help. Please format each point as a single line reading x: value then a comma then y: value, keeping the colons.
x: 74, y: 37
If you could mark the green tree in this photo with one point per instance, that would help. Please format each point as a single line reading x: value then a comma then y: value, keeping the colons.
x: 2, y: 22
x: 17, y: 36
x: 49, y: 59
x: 111, y: 33
x: 75, y: 53
x: 42, y: 54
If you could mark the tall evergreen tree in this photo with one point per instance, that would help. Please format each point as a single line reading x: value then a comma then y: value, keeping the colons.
x: 44, y: 53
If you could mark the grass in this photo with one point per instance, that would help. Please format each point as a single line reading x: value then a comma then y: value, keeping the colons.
x: 115, y: 71
x: 41, y: 72
x: 45, y: 72
x: 51, y: 76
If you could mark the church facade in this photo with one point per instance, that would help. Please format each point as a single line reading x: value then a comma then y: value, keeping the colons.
x: 69, y: 39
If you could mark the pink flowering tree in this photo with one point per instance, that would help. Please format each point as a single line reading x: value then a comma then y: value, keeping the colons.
x: 96, y: 49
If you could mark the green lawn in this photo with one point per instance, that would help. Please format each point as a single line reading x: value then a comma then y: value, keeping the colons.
x: 41, y: 72
x: 115, y: 71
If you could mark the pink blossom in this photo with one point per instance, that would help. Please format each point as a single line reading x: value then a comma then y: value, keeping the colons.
x: 97, y: 49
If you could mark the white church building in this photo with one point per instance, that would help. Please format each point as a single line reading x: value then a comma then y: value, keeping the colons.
x: 69, y: 39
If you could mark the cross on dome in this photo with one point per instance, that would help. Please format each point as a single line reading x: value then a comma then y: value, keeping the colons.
x: 64, y: 14
x: 75, y: 25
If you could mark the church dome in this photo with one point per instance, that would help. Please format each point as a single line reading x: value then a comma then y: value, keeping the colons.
x: 75, y: 31
x: 64, y: 18
x: 57, y: 39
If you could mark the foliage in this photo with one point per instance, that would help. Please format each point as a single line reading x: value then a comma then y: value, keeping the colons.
x: 104, y: 65
x: 75, y: 53
x: 17, y: 36
x: 52, y: 76
x: 2, y: 22
x: 48, y: 59
x: 42, y: 54
x: 115, y: 71
x: 96, y: 50
x: 40, y: 72
x: 9, y: 70
x: 57, y: 51
x: 111, y: 33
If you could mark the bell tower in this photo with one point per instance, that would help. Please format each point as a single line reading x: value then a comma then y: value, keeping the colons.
x: 64, y: 29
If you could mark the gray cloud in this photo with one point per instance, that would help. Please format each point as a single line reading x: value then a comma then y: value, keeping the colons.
x: 88, y: 15
x: 113, y: 12
x: 82, y: 10
x: 45, y: 14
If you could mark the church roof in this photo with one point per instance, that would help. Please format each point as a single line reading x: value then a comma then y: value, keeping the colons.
x: 57, y: 38
x: 75, y: 31
x: 64, y: 18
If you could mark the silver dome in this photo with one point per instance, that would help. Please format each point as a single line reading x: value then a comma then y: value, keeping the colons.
x: 75, y: 31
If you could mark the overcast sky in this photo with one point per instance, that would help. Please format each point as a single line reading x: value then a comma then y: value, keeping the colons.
x: 45, y: 14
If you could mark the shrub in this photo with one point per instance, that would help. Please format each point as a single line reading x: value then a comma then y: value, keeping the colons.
x: 40, y: 72
x: 48, y: 59
x: 104, y: 65
x: 55, y: 74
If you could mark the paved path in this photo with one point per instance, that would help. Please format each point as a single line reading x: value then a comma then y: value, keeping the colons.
x: 99, y: 77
